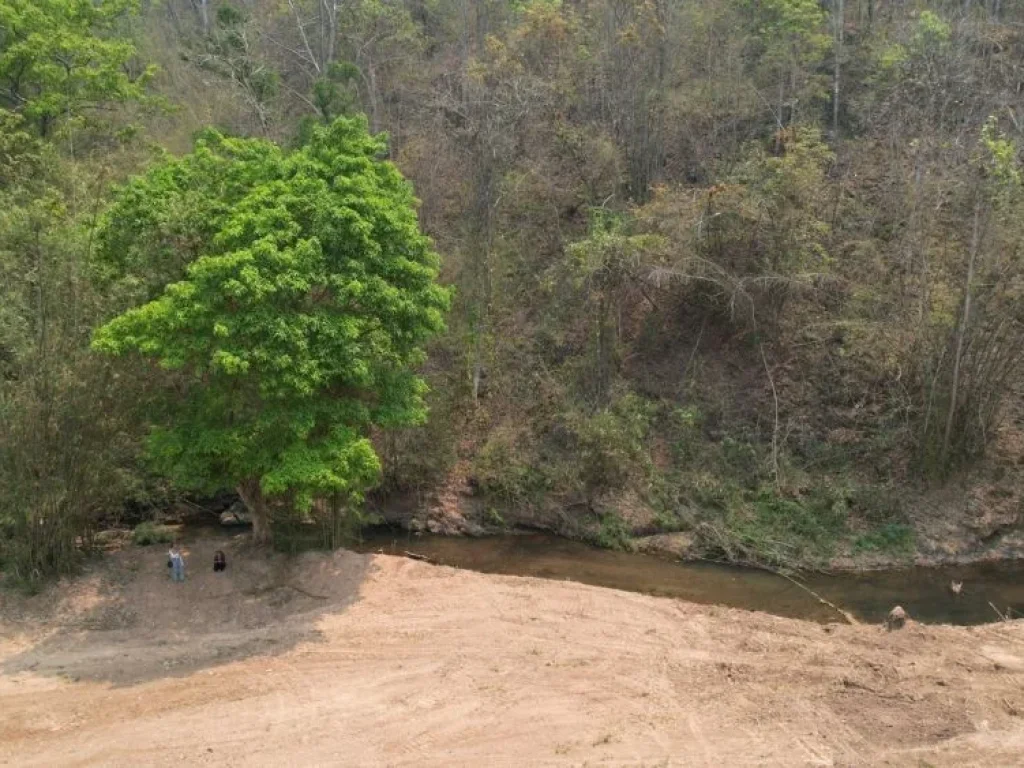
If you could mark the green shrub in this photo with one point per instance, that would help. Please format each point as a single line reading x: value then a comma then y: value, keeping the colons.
x: 493, y: 517
x: 742, y: 461
x: 39, y: 542
x: 710, y: 491
x: 613, y: 533
x: 504, y: 470
x: 419, y: 457
x: 150, y: 533
x: 668, y: 498
x: 612, y: 443
x: 685, y: 425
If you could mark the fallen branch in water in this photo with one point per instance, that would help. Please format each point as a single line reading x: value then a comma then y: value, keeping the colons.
x: 1001, y: 616
x: 761, y: 566
x: 845, y: 614
x: 417, y: 556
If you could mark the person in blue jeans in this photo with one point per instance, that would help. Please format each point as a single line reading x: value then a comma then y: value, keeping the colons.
x: 177, y: 563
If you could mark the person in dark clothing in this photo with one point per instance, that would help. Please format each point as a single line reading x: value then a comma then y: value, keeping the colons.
x: 220, y: 562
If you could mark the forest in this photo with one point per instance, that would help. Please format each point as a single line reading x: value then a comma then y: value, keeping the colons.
x: 748, y: 271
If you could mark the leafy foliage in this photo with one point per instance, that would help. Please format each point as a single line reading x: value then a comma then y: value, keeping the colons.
x: 66, y: 452
x: 148, y: 533
x: 61, y: 58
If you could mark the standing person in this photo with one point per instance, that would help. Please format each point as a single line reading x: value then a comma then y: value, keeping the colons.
x: 177, y: 563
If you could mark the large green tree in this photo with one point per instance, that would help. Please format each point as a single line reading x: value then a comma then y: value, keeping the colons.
x: 288, y: 296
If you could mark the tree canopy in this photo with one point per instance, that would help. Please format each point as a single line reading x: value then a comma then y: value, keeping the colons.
x: 288, y: 295
x: 61, y: 57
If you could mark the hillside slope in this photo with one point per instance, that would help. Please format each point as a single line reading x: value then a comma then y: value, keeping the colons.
x: 747, y: 273
x: 373, y: 660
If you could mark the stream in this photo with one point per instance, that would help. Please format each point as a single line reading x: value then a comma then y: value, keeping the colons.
x: 924, y: 592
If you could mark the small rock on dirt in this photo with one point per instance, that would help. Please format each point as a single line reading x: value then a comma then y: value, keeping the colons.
x: 896, y: 619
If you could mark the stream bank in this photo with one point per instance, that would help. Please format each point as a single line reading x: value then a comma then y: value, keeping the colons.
x: 923, y: 591
x: 670, y: 565
x: 944, y: 528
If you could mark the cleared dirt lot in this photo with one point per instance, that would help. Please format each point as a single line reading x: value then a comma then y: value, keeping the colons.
x: 372, y: 660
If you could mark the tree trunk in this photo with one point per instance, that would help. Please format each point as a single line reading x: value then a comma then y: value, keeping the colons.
x: 483, y: 207
x: 605, y: 350
x: 779, y: 118
x: 965, y: 318
x: 915, y: 233
x: 372, y: 88
x: 203, y: 9
x: 477, y: 367
x: 839, y: 19
x: 256, y: 503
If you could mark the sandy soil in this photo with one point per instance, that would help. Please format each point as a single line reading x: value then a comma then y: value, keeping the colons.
x: 373, y: 660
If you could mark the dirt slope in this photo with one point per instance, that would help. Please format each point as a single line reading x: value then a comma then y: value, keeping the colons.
x: 360, y: 660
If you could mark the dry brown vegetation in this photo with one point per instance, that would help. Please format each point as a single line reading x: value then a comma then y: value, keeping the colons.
x: 747, y: 270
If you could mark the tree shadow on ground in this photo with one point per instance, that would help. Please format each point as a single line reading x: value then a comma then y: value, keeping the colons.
x: 124, y: 622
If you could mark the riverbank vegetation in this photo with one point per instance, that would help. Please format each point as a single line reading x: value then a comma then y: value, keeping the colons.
x: 745, y: 270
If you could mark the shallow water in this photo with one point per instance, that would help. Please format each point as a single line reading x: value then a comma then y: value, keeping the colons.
x: 923, y: 592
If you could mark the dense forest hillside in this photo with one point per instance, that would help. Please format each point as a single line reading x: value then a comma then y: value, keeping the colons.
x: 748, y: 272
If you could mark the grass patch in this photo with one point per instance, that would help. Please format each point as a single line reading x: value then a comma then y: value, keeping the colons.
x: 149, y: 533
x: 892, y: 538
x: 877, y: 504
x: 802, y: 529
x: 766, y: 527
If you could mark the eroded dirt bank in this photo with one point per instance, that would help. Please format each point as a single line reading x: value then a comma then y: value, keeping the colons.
x: 373, y: 660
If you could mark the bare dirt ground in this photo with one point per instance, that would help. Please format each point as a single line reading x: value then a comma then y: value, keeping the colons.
x: 351, y: 659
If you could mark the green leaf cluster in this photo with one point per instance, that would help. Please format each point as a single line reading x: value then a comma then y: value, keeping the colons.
x: 60, y: 58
